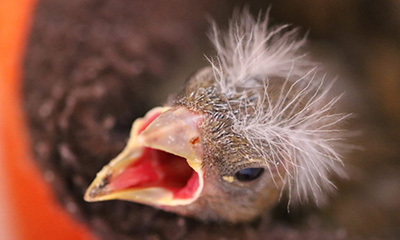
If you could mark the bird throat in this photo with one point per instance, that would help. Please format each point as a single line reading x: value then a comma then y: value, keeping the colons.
x: 155, y: 168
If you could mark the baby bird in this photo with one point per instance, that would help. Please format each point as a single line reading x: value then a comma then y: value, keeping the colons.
x: 258, y: 122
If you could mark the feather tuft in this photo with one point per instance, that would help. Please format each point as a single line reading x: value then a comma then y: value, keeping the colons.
x: 296, y: 127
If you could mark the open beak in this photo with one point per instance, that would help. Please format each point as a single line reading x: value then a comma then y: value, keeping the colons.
x: 161, y: 164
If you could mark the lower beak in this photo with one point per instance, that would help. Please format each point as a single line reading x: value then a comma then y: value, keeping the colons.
x: 161, y: 164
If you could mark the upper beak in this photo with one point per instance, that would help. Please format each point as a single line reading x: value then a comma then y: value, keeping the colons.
x: 161, y: 164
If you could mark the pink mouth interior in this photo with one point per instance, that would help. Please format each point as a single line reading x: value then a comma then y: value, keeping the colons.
x: 155, y: 168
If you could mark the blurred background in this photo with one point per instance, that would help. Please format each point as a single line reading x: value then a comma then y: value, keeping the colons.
x: 75, y: 74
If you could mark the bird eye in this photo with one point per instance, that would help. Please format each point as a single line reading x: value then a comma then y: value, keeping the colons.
x: 248, y: 174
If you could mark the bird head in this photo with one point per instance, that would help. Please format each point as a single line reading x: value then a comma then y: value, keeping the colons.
x: 254, y: 123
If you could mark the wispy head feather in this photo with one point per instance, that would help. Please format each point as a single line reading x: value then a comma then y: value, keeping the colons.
x: 250, y: 48
x: 294, y: 126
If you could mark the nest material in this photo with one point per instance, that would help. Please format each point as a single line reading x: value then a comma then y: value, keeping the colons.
x: 91, y: 68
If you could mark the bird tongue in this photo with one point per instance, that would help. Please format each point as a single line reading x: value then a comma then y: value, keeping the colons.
x: 156, y: 168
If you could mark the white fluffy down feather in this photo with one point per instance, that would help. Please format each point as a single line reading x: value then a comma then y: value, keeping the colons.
x: 302, y: 125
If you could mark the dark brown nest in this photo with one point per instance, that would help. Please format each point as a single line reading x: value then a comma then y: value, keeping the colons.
x: 91, y: 68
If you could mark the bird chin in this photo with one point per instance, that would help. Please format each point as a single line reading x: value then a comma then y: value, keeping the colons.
x: 161, y: 164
